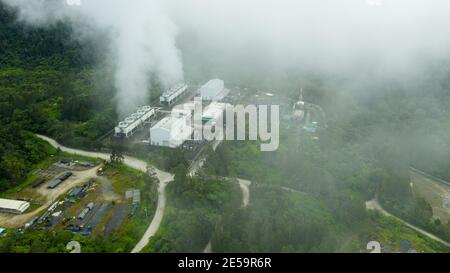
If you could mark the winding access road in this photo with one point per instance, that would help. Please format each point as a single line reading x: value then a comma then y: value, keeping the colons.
x: 375, y: 205
x: 245, y: 188
x: 163, y: 177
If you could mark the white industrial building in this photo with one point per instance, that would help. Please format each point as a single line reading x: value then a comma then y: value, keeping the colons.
x: 173, y: 94
x: 171, y: 131
x: 214, y: 111
x: 214, y: 90
x: 130, y: 125
x: 13, y: 206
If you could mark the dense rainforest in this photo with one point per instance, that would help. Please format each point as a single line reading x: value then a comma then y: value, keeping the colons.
x: 377, y: 128
x: 375, y: 131
x: 46, y: 86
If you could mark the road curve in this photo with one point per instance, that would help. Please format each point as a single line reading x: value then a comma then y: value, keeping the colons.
x: 245, y: 184
x: 245, y: 188
x: 163, y: 177
x: 375, y: 205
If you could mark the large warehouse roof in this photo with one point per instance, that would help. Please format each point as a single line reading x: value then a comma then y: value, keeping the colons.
x: 213, y: 90
x: 166, y: 124
x: 171, y: 131
x: 13, y: 205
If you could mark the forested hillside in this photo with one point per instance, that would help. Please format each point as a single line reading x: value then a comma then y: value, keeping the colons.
x: 308, y: 196
x: 46, y: 86
x: 376, y: 130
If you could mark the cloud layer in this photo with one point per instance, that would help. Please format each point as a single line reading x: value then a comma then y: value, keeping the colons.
x: 151, y: 38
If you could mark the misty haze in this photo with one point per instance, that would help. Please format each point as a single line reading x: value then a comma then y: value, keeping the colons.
x: 213, y: 126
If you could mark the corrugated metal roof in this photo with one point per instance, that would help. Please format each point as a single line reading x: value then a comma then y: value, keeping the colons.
x: 13, y: 204
x: 212, y: 88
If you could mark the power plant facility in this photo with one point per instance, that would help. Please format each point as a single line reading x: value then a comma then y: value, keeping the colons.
x: 214, y: 112
x: 174, y: 125
x: 173, y: 94
x: 13, y: 206
x: 177, y: 127
x: 132, y: 123
x: 214, y: 90
x: 171, y: 131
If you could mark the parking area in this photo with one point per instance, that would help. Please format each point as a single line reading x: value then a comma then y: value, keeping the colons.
x: 43, y: 199
x: 120, y: 213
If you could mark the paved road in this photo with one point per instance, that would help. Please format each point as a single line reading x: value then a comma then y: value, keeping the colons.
x: 245, y: 187
x: 164, y: 179
x: 375, y: 205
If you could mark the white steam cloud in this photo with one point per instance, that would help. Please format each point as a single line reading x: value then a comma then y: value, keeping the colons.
x: 142, y: 40
x: 148, y: 36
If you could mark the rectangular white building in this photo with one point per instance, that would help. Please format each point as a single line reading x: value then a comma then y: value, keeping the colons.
x: 173, y: 94
x: 213, y: 90
x: 171, y: 131
x: 13, y: 206
x: 130, y: 125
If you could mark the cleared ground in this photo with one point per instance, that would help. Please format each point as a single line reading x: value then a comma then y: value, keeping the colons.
x: 45, y: 197
x: 434, y: 193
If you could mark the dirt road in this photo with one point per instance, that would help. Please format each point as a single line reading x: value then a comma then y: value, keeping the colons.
x: 163, y: 177
x: 375, y: 205
x: 49, y: 196
x: 245, y: 188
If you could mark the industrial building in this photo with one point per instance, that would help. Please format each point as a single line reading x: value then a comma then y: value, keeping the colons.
x: 214, y: 111
x: 214, y: 90
x: 13, y: 206
x: 171, y: 131
x: 186, y: 110
x: 173, y: 94
x: 132, y: 123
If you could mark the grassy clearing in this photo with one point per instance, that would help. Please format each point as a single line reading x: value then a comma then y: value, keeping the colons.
x: 43, y: 165
x: 124, y: 178
x: 390, y: 232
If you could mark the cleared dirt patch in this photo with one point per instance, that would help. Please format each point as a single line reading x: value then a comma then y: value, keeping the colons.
x: 45, y: 197
x: 433, y: 192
